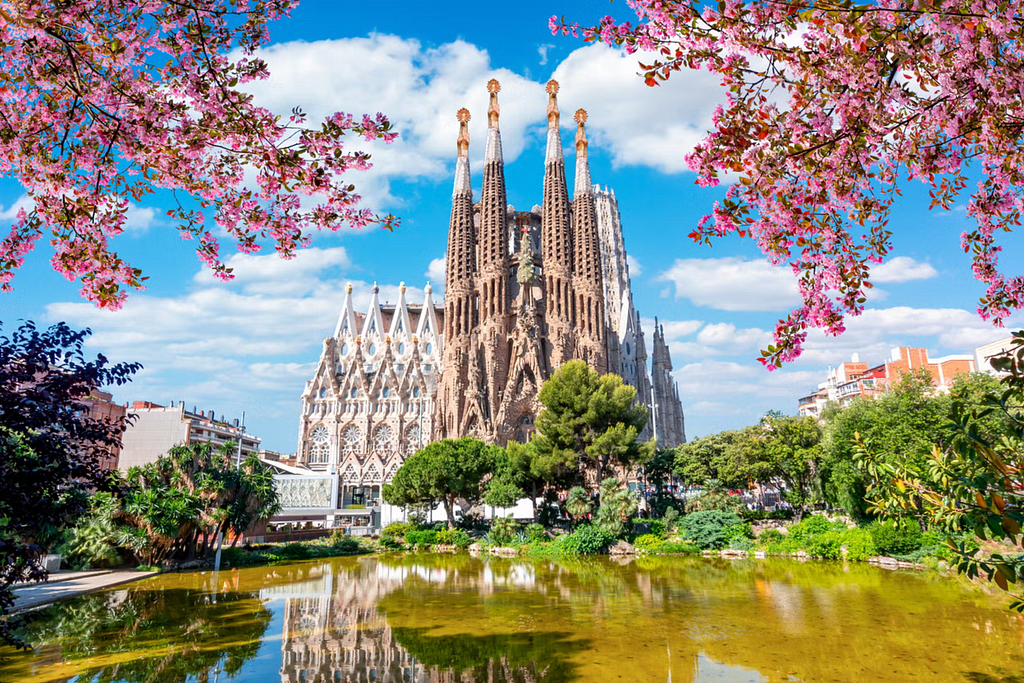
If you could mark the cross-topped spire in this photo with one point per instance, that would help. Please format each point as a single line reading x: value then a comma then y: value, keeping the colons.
x: 581, y: 132
x: 552, y: 88
x: 463, y: 140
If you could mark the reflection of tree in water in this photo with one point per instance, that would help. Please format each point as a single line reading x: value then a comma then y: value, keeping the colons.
x: 152, y: 636
x: 508, y: 658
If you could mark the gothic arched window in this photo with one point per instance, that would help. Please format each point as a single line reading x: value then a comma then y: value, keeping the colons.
x: 384, y: 438
x: 412, y: 440
x: 319, y: 450
x: 351, y: 439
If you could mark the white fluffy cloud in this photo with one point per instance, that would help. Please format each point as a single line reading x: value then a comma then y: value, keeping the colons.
x: 419, y: 88
x: 640, y: 125
x: 902, y: 269
x: 248, y: 344
x: 733, y: 284
x: 436, y: 273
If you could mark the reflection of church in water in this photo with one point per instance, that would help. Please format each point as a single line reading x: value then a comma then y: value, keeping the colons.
x: 524, y: 293
x: 334, y: 632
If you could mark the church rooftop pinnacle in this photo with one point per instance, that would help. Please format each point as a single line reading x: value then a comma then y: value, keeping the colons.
x: 554, y: 150
x: 493, y: 111
x: 582, y: 162
x: 462, y: 181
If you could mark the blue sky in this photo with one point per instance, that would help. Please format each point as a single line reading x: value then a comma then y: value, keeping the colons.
x: 250, y: 344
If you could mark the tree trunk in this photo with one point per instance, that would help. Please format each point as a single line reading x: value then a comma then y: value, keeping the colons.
x: 533, y: 500
x: 449, y: 510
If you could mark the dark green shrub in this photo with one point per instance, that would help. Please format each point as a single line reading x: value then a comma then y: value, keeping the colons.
x: 535, y: 532
x: 391, y: 543
x: 585, y: 540
x: 891, y: 539
x: 421, y: 538
x: 294, y: 551
x: 658, y: 527
x: 708, y: 528
x: 344, y: 544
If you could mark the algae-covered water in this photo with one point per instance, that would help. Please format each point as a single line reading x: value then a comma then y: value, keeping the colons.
x: 457, y: 618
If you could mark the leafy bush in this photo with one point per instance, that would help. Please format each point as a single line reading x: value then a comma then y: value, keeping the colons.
x: 826, y: 546
x: 294, y: 551
x: 535, y: 532
x: 585, y: 540
x: 740, y: 543
x: 812, y: 526
x: 678, y: 548
x: 648, y: 542
x: 93, y: 543
x: 891, y: 539
x: 760, y: 515
x: 455, y: 537
x: 503, y: 530
x: 658, y: 527
x: 397, y: 529
x: 421, y: 538
x: 391, y: 543
x: 670, y: 520
x: 343, y: 543
x: 770, y: 537
x: 708, y: 528
x: 859, y: 546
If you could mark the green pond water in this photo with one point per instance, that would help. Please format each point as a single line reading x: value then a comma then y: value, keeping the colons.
x: 462, y: 619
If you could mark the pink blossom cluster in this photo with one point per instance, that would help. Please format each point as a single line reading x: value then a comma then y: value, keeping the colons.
x: 831, y: 106
x: 104, y: 101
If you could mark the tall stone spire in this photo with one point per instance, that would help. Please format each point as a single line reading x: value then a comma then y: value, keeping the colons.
x: 492, y: 256
x: 460, y: 284
x: 587, y: 286
x: 670, y: 424
x: 556, y: 237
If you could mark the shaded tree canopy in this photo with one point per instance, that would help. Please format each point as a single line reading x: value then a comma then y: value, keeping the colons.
x: 50, y: 448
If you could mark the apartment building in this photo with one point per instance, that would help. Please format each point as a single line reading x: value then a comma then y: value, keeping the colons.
x: 156, y: 429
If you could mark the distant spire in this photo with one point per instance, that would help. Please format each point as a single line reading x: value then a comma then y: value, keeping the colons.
x: 493, y: 136
x: 583, y: 185
x: 462, y: 183
x: 554, y: 151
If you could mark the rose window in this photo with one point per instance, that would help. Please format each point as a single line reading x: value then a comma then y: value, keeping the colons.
x: 383, y: 438
x: 319, y: 450
x: 351, y: 439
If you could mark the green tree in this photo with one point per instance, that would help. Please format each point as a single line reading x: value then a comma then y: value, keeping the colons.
x: 50, y: 449
x: 444, y: 471
x: 519, y: 473
x: 788, y: 451
x: 901, y: 427
x: 185, y: 500
x: 975, y: 484
x: 722, y: 456
x: 589, y: 424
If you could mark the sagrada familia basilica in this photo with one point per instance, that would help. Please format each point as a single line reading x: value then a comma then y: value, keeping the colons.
x: 524, y: 293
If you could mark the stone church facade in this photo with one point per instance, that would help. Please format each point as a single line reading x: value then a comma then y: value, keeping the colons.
x: 524, y: 293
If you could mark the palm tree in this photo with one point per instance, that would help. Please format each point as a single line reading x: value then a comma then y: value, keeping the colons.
x: 577, y: 503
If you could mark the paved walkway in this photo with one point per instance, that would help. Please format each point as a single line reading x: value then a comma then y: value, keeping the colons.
x: 36, y: 595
